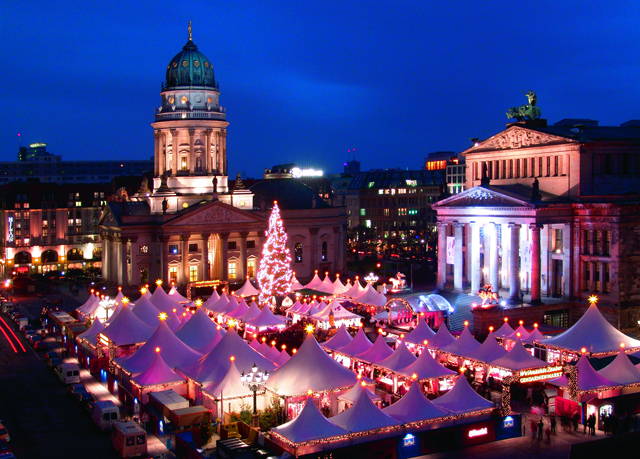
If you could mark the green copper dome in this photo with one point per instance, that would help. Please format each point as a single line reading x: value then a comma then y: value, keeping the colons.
x: 190, y: 68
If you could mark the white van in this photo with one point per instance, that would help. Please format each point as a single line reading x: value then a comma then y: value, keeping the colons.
x: 129, y: 439
x: 69, y: 373
x: 105, y: 414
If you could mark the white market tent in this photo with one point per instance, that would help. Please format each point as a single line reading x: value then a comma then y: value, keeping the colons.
x: 266, y: 319
x: 309, y: 426
x: 146, y: 312
x: 158, y: 376
x: 370, y: 296
x: 414, y: 407
x: 364, y: 415
x: 340, y: 339
x: 247, y: 290
x: 326, y: 286
x: 351, y: 395
x: 378, y: 352
x: 465, y: 344
x: 401, y: 358
x: 518, y: 358
x: 294, y: 308
x: 230, y: 389
x: 341, y: 315
x: 295, y: 285
x: 504, y: 331
x: 241, y: 310
x: 426, y: 368
x: 534, y: 337
x: 273, y: 353
x: 338, y: 287
x: 213, y: 366
x: 114, y: 313
x: 420, y: 333
x: 231, y: 305
x: 213, y: 299
x: 200, y: 333
x: 523, y: 333
x: 310, y: 368
x: 621, y: 370
x: 355, y: 290
x: 127, y: 329
x: 488, y: 351
x: 442, y: 339
x: 589, y: 380
x: 175, y: 352
x: 89, y: 307
x: 462, y: 399
x: 314, y: 283
x: 283, y: 358
x: 91, y: 334
x: 252, y: 313
x: 175, y: 296
x: 220, y: 305
x: 255, y: 344
x: 594, y: 333
x: 358, y: 345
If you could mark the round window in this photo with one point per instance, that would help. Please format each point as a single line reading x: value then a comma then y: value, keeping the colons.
x: 196, y: 63
x: 184, y: 99
x: 171, y: 100
x: 175, y: 64
x: 185, y: 63
x: 210, y: 100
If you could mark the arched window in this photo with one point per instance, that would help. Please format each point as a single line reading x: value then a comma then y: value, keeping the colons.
x: 49, y: 256
x: 22, y: 258
x: 75, y: 254
x: 324, y: 251
x: 298, y: 252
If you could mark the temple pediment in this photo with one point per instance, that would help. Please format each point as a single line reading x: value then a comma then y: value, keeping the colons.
x: 107, y: 218
x: 214, y: 213
x: 518, y: 137
x: 481, y: 197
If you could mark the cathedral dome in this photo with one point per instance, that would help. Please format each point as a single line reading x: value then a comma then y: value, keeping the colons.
x: 190, y: 68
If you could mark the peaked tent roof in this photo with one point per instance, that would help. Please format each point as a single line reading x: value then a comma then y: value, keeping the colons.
x: 175, y: 352
x: 443, y: 338
x: 266, y: 318
x: 314, y: 283
x: 401, y: 358
x: 414, y: 407
x: 355, y: 290
x: 310, y: 368
x: 91, y: 334
x: 589, y: 379
x: 378, y: 352
x: 252, y: 313
x: 621, y: 370
x: 247, y: 289
x: 351, y: 395
x: 340, y: 339
x: 272, y: 353
x: 295, y: 284
x: 114, y: 314
x: 420, y: 333
x: 489, y: 350
x: 255, y: 344
x: 338, y: 287
x: 241, y: 310
x: 326, y: 286
x: 370, y: 296
x: 309, y: 425
x: 283, y: 358
x: 229, y: 386
x: 89, y: 306
x: 358, y: 345
x: 426, y: 367
x: 175, y: 296
x: 295, y: 307
x: 230, y: 306
x: 199, y: 331
x: 219, y: 305
x: 504, y: 331
x: 534, y: 337
x: 157, y: 373
x: 524, y: 333
x: 465, y: 344
x: 126, y: 328
x: 146, y: 312
x: 339, y: 312
x: 594, y: 333
x: 363, y: 415
x: 213, y: 299
x: 462, y: 399
x: 212, y: 366
x: 518, y: 358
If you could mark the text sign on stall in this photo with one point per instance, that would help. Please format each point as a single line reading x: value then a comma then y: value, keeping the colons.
x: 540, y: 374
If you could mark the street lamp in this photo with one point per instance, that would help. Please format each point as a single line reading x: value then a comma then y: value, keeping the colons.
x: 255, y: 380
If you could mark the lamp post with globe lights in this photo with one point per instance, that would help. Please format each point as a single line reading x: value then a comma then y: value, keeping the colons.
x: 255, y: 380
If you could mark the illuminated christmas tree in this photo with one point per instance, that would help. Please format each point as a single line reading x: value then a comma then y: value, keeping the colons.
x: 274, y: 274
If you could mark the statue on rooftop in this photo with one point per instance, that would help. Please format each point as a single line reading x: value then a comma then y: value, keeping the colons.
x: 526, y: 112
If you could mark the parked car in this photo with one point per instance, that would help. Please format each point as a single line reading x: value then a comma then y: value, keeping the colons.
x: 51, y: 355
x: 33, y: 339
x: 28, y: 330
x: 84, y: 397
x: 40, y: 346
x: 73, y: 389
x: 54, y: 362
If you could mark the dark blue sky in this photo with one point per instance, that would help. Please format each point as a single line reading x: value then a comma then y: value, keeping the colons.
x: 306, y: 81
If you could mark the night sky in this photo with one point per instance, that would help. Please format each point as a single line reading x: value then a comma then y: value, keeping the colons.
x: 306, y: 81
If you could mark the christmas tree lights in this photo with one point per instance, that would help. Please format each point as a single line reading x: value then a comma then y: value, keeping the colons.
x: 274, y: 274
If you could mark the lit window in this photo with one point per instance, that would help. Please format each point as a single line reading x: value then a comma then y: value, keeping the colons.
x: 251, y: 268
x: 363, y: 212
x: 173, y: 274
x: 298, y: 253
x: 193, y: 273
x: 144, y: 249
x: 232, y: 270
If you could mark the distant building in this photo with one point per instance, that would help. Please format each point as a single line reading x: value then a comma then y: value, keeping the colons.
x: 36, y: 163
x: 551, y: 211
x: 453, y: 167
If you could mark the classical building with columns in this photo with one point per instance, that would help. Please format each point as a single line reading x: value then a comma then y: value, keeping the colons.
x: 549, y: 211
x: 194, y: 224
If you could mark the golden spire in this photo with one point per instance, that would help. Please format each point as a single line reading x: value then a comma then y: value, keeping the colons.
x: 190, y: 36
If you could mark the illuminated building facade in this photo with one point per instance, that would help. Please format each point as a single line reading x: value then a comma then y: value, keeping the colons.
x: 195, y: 224
x: 49, y: 227
x: 548, y: 211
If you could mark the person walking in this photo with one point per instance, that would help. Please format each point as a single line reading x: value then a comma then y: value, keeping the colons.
x: 553, y: 423
x: 540, y: 429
